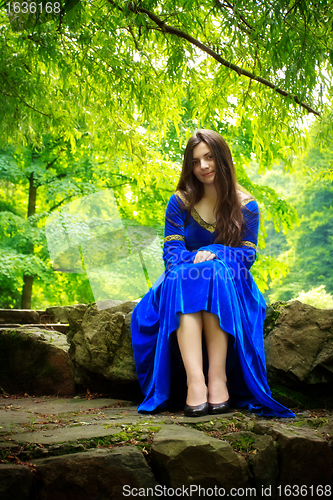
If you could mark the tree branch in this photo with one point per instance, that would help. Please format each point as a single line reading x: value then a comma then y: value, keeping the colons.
x: 4, y: 93
x: 291, y: 8
x: 57, y: 205
x: 21, y: 99
x: 123, y: 184
x: 49, y: 165
x: 242, y: 18
x: 165, y: 28
x: 59, y: 176
x: 134, y: 39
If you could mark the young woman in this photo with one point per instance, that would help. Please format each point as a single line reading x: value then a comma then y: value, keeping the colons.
x: 204, y: 316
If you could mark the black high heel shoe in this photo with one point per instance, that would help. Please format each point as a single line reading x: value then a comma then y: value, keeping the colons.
x: 216, y: 409
x: 196, y: 411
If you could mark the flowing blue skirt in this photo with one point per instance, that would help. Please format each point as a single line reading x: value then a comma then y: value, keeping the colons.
x: 220, y: 287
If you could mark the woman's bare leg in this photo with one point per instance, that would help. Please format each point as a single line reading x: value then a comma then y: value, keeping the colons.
x: 217, y: 345
x: 189, y: 335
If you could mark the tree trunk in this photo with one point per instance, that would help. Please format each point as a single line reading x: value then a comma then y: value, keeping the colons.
x: 28, y: 280
x: 27, y: 292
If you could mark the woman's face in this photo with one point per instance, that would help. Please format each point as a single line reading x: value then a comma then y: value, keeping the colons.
x: 203, y: 164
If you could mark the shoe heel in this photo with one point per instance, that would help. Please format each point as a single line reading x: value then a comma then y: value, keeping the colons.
x: 217, y: 409
x: 196, y: 411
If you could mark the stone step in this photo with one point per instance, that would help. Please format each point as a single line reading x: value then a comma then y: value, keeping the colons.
x: 58, y: 327
x: 91, y: 449
x: 21, y: 316
x: 97, y: 474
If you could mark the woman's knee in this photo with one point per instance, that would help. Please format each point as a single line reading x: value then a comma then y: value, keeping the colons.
x: 191, y: 319
x: 209, y: 317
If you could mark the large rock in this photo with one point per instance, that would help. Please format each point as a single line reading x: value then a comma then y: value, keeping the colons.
x: 262, y: 457
x: 98, y: 474
x: 101, y: 345
x: 185, y: 457
x: 35, y: 361
x: 15, y: 482
x: 304, y: 456
x: 59, y: 314
x: 75, y: 314
x: 299, y: 346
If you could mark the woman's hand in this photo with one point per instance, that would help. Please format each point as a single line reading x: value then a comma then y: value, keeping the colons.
x: 203, y: 255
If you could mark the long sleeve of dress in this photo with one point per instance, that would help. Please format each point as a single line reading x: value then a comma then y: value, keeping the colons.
x: 174, y: 250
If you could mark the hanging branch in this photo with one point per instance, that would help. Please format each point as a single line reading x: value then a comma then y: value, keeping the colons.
x: 21, y: 99
x: 165, y: 28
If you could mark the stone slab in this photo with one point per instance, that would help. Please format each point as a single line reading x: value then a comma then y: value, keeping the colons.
x: 67, y: 434
x: 95, y: 475
x: 15, y: 482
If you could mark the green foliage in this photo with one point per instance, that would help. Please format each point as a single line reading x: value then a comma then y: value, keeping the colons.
x: 310, y: 255
x: 111, y: 66
x: 244, y: 444
x: 106, y: 96
x: 317, y: 297
x: 23, y: 249
x: 305, y: 252
x: 61, y: 174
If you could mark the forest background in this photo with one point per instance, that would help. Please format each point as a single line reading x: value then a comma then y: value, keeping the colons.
x: 100, y: 96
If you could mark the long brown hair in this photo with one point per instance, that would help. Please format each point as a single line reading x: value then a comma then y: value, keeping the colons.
x: 229, y: 217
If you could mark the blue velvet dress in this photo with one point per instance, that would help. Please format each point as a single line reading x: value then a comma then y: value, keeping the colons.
x: 223, y: 286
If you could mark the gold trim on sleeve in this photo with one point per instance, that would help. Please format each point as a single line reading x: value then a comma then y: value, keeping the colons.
x: 174, y: 237
x: 182, y: 197
x: 245, y: 243
x: 245, y: 201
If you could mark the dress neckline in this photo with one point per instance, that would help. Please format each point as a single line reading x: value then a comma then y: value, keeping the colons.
x: 209, y: 223
x: 197, y: 217
x: 244, y: 202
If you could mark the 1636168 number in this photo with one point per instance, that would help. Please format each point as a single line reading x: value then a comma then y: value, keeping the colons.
x: 33, y: 7
x: 304, y: 491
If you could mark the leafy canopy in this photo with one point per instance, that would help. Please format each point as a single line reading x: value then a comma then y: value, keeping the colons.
x: 112, y: 66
